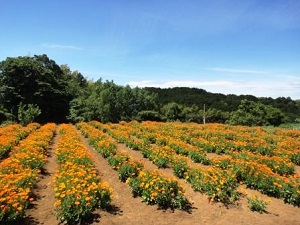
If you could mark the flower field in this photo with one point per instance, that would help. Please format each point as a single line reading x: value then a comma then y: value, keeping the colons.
x: 161, y: 165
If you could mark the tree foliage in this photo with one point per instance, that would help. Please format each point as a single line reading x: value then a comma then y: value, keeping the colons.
x: 34, y: 80
x: 27, y: 113
x: 224, y: 104
x: 106, y: 101
x: 256, y: 114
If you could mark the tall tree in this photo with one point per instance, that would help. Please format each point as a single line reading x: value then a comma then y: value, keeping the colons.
x: 34, y: 80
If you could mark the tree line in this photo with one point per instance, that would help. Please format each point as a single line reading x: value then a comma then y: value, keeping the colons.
x: 36, y: 88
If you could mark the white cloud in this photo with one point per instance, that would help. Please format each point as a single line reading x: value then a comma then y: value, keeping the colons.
x: 231, y: 70
x: 285, y: 86
x: 189, y: 83
x: 62, y: 47
x: 179, y: 83
x: 146, y: 83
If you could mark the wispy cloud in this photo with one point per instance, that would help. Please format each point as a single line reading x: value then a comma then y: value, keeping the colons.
x: 231, y: 70
x: 189, y: 83
x: 61, y: 47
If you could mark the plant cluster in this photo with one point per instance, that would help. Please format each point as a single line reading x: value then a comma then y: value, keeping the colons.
x: 219, y: 185
x: 262, y: 178
x: 255, y: 203
x: 157, y: 189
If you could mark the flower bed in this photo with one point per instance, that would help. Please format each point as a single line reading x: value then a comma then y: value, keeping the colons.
x: 78, y: 188
x: 19, y: 173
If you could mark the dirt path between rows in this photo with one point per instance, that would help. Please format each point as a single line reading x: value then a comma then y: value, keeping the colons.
x: 127, y: 210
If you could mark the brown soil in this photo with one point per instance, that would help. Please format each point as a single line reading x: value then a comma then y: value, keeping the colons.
x: 297, y: 170
x: 212, y: 155
x: 128, y: 210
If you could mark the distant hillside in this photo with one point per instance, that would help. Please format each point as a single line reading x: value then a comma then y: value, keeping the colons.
x: 195, y: 96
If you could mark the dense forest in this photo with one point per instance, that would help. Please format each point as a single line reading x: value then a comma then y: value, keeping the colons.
x: 36, y: 88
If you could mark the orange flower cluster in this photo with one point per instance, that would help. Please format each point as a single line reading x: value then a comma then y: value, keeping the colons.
x: 10, y: 135
x: 78, y: 188
x: 19, y: 172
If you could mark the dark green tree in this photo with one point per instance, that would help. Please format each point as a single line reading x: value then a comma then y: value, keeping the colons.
x: 34, y: 80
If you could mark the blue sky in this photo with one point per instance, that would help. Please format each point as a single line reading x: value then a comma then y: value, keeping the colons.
x: 222, y: 46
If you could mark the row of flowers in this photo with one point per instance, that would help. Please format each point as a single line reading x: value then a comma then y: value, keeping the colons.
x: 256, y: 170
x: 19, y: 172
x: 10, y: 136
x: 151, y: 186
x: 78, y: 188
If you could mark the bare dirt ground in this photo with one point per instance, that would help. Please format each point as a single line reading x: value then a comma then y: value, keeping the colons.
x: 128, y: 210
x: 297, y: 170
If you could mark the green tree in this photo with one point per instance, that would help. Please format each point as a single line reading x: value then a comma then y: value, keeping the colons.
x: 34, y: 80
x: 256, y: 114
x: 149, y: 115
x: 192, y: 114
x: 172, y: 111
x: 76, y: 82
x: 108, y: 102
x: 216, y: 116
